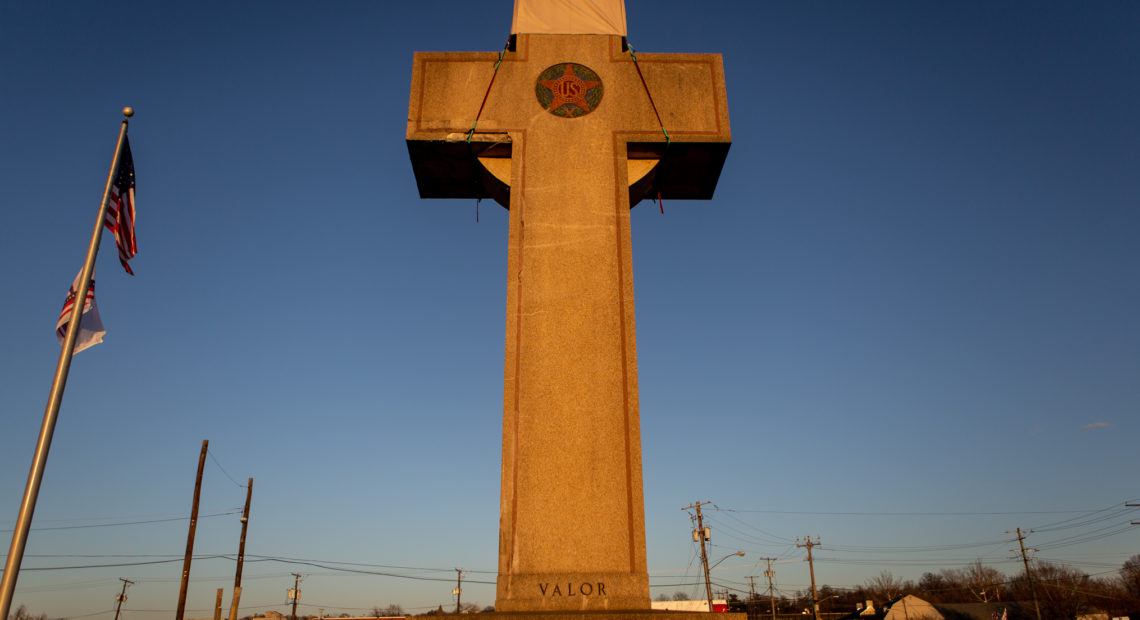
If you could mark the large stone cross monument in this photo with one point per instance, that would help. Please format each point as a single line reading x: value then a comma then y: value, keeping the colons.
x: 568, y: 130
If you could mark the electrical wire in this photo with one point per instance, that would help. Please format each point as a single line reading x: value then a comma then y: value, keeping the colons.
x: 419, y: 568
x: 903, y: 514
x: 49, y: 568
x: 92, y: 525
x: 362, y: 571
x: 210, y: 453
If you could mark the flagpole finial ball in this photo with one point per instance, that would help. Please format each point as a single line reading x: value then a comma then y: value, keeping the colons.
x: 128, y: 111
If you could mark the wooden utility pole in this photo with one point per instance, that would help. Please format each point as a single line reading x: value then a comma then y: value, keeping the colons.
x: 769, y: 573
x: 458, y: 587
x: 811, y: 570
x: 190, y: 536
x: 241, y: 550
x: 701, y: 536
x: 122, y: 596
x: 218, y: 606
x: 1025, y: 560
x: 296, y: 593
x: 751, y: 593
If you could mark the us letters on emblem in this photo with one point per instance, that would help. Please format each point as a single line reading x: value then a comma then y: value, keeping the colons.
x: 569, y: 90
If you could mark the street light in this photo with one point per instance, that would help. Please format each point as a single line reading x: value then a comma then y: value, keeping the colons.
x: 708, y: 583
x: 731, y: 555
x: 815, y: 604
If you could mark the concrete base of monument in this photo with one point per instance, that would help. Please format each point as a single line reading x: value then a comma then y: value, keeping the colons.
x: 633, y: 614
x: 570, y: 591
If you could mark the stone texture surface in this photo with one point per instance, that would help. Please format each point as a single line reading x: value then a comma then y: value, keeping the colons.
x: 572, y: 531
x: 646, y: 614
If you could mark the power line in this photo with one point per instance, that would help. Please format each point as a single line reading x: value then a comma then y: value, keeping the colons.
x: 215, y: 460
x: 44, y: 568
x: 139, y: 516
x: 915, y: 549
x: 362, y: 571
x: 904, y: 514
x: 421, y: 568
x: 1083, y: 519
x: 1116, y: 508
x: 80, y: 527
x: 781, y: 539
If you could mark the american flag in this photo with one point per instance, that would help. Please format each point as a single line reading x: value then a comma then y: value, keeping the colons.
x: 120, y: 217
x: 90, y: 325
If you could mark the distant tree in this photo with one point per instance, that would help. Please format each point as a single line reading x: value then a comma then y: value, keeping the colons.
x: 1130, y: 575
x: 680, y: 596
x: 985, y: 583
x: 663, y: 597
x: 976, y: 583
x: 1110, y: 596
x: 488, y: 609
x: 835, y: 599
x: 885, y: 587
x: 1062, y: 592
x: 22, y: 613
x: 934, y: 588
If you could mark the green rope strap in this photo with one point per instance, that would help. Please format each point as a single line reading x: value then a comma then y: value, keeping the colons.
x: 498, y: 62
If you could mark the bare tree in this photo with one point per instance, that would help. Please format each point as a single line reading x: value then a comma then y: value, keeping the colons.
x: 1062, y: 592
x: 22, y: 613
x: 885, y: 587
x: 1130, y: 575
x: 974, y: 583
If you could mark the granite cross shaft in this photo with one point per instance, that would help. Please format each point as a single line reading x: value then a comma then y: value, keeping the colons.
x: 569, y: 135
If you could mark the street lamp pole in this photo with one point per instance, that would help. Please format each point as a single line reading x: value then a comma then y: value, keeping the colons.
x: 708, y: 583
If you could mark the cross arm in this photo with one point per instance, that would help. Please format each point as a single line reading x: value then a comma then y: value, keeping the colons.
x: 447, y: 91
x: 690, y: 104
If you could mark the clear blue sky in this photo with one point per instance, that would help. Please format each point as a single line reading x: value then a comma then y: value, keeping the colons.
x: 908, y: 319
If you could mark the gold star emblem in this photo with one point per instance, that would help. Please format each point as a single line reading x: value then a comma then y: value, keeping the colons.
x: 569, y: 89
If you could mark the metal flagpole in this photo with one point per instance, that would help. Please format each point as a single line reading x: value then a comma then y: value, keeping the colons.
x: 51, y: 413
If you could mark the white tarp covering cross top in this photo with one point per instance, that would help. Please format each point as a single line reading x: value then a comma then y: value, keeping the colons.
x: 569, y: 17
